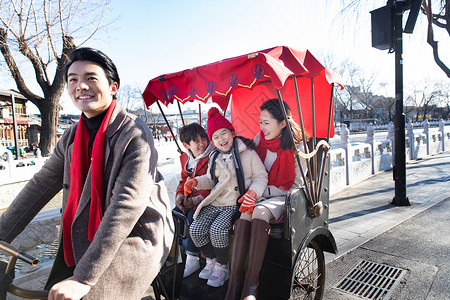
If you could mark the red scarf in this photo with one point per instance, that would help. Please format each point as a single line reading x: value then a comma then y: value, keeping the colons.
x: 282, y: 172
x: 79, y: 168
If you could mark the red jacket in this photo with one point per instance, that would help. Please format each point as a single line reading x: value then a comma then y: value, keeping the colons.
x: 201, y: 169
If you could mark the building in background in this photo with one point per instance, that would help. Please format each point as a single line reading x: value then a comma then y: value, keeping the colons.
x: 27, y: 128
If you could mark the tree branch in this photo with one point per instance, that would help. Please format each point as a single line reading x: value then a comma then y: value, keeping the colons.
x: 68, y: 46
x: 49, y: 35
x: 447, y: 16
x: 432, y: 42
x: 26, y: 51
x: 98, y: 26
x: 35, y: 99
x: 439, y: 24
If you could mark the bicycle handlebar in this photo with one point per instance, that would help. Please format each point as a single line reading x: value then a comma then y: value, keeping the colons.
x: 26, y: 293
x: 25, y: 257
x: 18, y: 254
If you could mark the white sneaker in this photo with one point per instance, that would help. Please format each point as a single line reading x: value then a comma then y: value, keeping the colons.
x: 219, y: 275
x: 208, y: 269
x: 192, y: 265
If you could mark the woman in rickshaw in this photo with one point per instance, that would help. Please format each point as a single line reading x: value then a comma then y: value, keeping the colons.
x: 251, y: 231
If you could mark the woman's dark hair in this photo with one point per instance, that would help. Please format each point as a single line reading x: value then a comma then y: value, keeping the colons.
x: 98, y: 57
x: 274, y: 108
x: 191, y: 131
x: 248, y: 142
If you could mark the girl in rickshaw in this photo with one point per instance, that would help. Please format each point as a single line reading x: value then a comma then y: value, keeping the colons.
x: 213, y: 217
x: 251, y: 231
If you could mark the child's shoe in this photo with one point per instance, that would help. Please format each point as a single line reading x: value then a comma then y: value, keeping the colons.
x: 219, y: 275
x: 208, y: 269
x: 192, y: 265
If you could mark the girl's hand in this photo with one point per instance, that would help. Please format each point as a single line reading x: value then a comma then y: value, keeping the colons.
x: 248, y: 202
x: 189, y: 185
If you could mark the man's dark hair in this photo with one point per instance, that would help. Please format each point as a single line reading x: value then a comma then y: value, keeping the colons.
x: 191, y: 131
x: 95, y: 56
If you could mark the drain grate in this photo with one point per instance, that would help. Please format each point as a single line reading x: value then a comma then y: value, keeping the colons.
x: 370, y: 280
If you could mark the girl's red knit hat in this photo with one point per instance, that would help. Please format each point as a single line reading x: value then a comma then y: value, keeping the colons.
x: 216, y: 121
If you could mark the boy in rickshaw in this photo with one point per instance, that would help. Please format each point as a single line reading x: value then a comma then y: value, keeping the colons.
x: 251, y: 233
x: 194, y: 162
x: 213, y: 217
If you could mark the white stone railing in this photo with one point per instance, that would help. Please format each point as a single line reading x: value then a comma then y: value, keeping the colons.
x: 413, y: 124
x: 351, y: 164
x: 12, y: 171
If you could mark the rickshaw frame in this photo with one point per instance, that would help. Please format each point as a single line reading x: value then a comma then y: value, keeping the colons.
x: 304, y: 230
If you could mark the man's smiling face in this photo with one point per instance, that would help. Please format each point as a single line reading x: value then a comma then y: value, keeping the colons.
x: 89, y: 88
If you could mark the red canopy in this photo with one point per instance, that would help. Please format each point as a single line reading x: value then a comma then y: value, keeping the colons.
x: 251, y: 79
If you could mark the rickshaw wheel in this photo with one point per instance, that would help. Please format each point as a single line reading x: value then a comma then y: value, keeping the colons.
x: 309, y: 273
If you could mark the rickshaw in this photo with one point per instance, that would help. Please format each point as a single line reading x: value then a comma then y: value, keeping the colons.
x: 294, y: 265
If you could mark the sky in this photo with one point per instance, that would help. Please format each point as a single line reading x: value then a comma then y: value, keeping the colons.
x: 153, y: 37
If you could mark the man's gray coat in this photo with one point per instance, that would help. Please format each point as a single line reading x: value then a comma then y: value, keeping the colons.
x: 136, y: 232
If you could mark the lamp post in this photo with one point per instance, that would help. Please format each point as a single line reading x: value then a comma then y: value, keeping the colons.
x: 387, y: 31
x: 400, y: 197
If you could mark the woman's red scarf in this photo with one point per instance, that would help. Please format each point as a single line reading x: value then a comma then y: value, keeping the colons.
x: 282, y: 172
x: 79, y: 168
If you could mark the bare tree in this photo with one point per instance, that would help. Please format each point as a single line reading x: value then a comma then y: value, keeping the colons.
x: 384, y: 108
x: 389, y: 104
x: 413, y: 101
x: 330, y: 61
x: 386, y: 105
x: 441, y: 19
x: 443, y: 101
x: 359, y: 91
x: 424, y: 97
x: 130, y: 97
x: 36, y: 37
x: 364, y: 92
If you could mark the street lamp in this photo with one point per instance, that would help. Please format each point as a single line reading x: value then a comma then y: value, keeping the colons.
x: 387, y: 34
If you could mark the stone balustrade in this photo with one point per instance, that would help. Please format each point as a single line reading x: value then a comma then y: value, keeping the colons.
x: 350, y: 164
x: 12, y: 171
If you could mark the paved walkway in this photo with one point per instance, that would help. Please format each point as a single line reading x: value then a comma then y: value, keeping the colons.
x: 363, y: 211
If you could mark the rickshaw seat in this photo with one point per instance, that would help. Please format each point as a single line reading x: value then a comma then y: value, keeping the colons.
x: 280, y: 227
